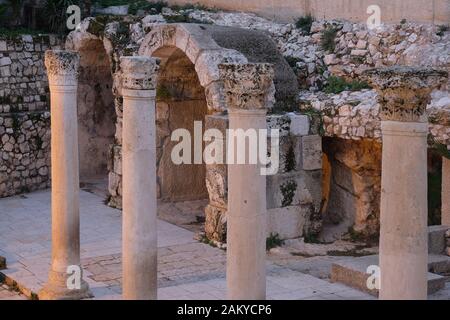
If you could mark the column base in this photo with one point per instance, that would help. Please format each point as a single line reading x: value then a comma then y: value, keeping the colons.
x: 56, y: 289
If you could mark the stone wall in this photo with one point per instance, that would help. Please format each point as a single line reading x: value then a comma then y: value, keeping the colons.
x: 437, y: 11
x: 294, y: 194
x: 188, y: 90
x: 24, y: 114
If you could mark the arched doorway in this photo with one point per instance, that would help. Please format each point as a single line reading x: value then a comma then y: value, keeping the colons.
x: 181, y: 104
x: 96, y: 116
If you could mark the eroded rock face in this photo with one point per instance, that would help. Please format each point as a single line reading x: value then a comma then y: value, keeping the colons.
x: 352, y: 184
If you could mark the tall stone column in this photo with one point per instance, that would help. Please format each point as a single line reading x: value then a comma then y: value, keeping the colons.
x: 247, y: 94
x: 404, y: 93
x: 139, y: 233
x: 62, y: 70
x: 445, y: 209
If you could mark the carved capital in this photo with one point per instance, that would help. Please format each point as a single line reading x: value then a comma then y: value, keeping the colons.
x: 62, y: 67
x: 404, y: 92
x: 139, y: 73
x: 247, y: 86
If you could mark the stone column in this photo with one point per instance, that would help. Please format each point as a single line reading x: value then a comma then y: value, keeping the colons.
x: 62, y: 70
x: 445, y: 208
x: 139, y: 233
x: 247, y: 94
x: 404, y: 93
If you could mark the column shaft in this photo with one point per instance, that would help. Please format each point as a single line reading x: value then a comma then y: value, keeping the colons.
x: 139, y: 232
x: 246, y: 223
x: 64, y: 283
x: 403, y: 234
x: 139, y: 197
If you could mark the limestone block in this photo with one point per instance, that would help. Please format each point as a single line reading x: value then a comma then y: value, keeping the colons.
x: 299, y: 124
x: 312, y: 152
x: 3, y: 46
x: 288, y: 222
x: 197, y: 40
x: 208, y: 61
x: 287, y: 189
x: 215, y: 97
x: 5, y: 61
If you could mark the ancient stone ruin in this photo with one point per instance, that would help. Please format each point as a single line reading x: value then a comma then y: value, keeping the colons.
x: 350, y: 104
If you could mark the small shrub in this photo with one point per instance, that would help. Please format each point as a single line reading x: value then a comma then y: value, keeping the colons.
x: 305, y: 23
x: 403, y: 21
x: 273, y: 241
x: 288, y: 191
x: 328, y: 40
x: 337, y: 85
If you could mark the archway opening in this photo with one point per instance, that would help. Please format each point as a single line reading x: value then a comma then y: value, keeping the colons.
x: 181, y: 103
x: 96, y: 116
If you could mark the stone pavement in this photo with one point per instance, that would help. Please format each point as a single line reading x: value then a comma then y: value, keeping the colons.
x: 187, y: 269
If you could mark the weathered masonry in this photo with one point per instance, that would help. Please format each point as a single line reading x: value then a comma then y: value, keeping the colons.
x: 189, y: 89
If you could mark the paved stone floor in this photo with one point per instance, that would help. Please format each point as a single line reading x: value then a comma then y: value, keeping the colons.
x: 187, y: 269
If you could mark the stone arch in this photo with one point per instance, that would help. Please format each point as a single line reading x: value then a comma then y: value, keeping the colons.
x: 200, y: 48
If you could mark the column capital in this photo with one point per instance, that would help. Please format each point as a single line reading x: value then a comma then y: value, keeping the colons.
x: 404, y: 91
x: 248, y: 86
x: 139, y: 73
x: 62, y: 67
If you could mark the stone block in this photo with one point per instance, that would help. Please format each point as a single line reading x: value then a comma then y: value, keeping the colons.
x: 353, y: 273
x: 287, y: 189
x: 436, y: 239
x: 299, y: 124
x: 208, y: 61
x: 281, y: 122
x: 311, y: 152
x: 5, y: 61
x: 288, y: 222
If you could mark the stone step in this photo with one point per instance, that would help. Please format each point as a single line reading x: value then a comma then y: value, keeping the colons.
x: 352, y: 272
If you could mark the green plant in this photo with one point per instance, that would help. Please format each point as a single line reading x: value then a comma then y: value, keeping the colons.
x: 305, y: 23
x: 288, y: 191
x: 273, y: 241
x: 403, y: 21
x: 328, y: 39
x: 311, y: 238
x: 337, y: 85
